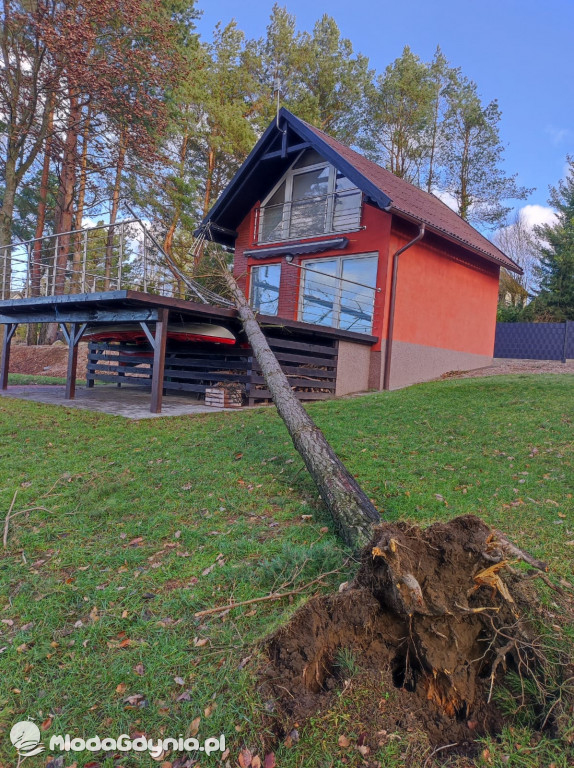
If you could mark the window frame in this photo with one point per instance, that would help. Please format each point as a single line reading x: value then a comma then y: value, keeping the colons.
x: 287, y: 177
x: 337, y: 303
x: 252, y: 285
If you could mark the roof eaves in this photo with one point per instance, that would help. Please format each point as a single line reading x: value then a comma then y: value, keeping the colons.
x: 503, y: 262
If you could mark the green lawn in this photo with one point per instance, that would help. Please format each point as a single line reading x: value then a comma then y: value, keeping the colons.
x: 27, y: 378
x: 148, y: 522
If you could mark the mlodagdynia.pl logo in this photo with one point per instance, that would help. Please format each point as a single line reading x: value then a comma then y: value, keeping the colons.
x: 25, y: 737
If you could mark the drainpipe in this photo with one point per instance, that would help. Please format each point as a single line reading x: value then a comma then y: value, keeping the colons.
x: 392, y: 302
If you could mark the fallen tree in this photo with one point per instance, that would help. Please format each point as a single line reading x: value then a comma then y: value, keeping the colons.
x: 439, y: 614
x: 353, y: 512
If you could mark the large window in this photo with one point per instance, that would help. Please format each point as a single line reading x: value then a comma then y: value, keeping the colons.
x: 265, y: 288
x: 340, y: 292
x: 313, y: 198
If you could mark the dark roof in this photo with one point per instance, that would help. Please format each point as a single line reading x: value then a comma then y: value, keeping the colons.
x: 380, y: 186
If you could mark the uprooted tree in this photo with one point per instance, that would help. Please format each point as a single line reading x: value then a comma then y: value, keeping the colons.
x: 440, y: 614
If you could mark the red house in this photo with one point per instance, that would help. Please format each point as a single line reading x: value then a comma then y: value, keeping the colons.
x: 324, y: 236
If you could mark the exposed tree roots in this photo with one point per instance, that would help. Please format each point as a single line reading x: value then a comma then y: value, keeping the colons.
x: 435, y: 616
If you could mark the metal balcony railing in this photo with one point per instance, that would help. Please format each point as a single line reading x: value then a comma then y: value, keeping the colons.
x: 309, y: 217
x: 123, y: 256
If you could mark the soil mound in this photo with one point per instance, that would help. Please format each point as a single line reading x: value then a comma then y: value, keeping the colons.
x: 433, y: 615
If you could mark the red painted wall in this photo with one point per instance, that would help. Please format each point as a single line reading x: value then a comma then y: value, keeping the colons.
x: 373, y: 238
x: 446, y: 297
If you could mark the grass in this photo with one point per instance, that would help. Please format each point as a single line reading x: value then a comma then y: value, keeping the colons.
x: 26, y: 378
x: 148, y: 522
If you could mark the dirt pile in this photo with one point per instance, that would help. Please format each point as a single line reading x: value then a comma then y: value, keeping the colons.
x: 46, y: 360
x: 434, y: 615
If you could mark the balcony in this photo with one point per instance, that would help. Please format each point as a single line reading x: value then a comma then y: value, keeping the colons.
x: 308, y: 217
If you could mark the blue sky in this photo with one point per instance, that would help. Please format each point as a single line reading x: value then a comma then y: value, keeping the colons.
x: 520, y: 52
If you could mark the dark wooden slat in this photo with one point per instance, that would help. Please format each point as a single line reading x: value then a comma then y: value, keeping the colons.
x: 301, y: 382
x: 200, y: 375
x: 280, y: 343
x: 178, y: 386
x: 114, y: 379
x: 285, y: 356
x: 316, y: 373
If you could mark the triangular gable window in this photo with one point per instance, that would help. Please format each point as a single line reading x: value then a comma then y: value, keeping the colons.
x: 312, y: 199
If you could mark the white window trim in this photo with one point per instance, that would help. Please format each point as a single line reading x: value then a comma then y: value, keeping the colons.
x: 288, y: 179
x: 338, y: 276
x: 251, y: 283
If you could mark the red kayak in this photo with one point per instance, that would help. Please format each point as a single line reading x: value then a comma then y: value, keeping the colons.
x: 202, y: 332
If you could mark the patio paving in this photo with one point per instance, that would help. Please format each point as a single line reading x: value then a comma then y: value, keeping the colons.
x: 129, y: 403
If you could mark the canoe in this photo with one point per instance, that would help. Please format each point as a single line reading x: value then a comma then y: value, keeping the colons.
x: 201, y: 332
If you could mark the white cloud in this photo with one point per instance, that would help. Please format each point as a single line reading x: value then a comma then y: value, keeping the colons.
x: 558, y: 135
x: 537, y: 214
x: 446, y: 198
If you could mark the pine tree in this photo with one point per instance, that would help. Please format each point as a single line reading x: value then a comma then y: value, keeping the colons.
x: 555, y: 299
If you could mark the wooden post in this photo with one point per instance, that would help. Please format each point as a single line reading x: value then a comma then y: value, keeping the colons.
x: 73, y: 337
x: 72, y: 364
x: 9, y: 330
x: 159, y: 360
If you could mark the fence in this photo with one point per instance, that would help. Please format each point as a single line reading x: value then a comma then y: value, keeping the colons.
x: 311, y: 367
x: 123, y: 256
x: 535, y: 341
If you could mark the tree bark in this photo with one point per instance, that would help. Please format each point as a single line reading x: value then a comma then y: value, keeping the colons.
x: 66, y: 192
x: 78, y: 247
x: 114, y: 210
x: 6, y: 216
x: 36, y: 269
x: 352, y: 511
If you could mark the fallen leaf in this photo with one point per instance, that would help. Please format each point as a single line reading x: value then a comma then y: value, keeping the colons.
x: 256, y: 762
x: 139, y: 669
x: 344, y: 741
x: 269, y: 761
x: 244, y: 758
x: 210, y: 708
x: 121, y: 688
x: 200, y: 642
x: 185, y: 696
x: 46, y: 724
x: 179, y: 680
x: 194, y: 727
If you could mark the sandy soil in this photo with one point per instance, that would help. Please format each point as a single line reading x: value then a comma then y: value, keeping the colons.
x: 46, y: 360
x: 503, y: 367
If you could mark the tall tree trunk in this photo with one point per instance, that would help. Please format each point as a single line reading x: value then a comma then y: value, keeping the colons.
x: 36, y: 275
x: 352, y: 511
x: 114, y: 210
x: 208, y: 181
x: 6, y: 216
x: 168, y: 240
x: 66, y: 192
x: 36, y: 262
x: 78, y: 245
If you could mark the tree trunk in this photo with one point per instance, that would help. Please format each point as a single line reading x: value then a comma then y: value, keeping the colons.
x: 353, y: 513
x: 36, y: 267
x: 66, y: 193
x: 114, y: 211
x: 6, y: 216
x: 78, y: 246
